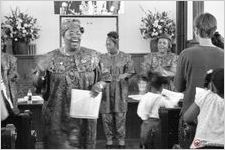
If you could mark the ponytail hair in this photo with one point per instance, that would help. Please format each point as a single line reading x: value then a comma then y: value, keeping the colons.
x: 216, y: 77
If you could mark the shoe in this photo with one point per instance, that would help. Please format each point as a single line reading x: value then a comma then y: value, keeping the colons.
x: 108, y: 146
x: 121, y: 146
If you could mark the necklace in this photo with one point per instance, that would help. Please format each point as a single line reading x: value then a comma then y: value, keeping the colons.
x: 63, y: 50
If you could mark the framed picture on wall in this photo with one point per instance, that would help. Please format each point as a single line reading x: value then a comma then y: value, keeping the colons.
x: 95, y: 30
x: 80, y: 7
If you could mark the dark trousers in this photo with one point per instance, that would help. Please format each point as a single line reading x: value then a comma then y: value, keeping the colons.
x: 186, y: 133
x: 150, y: 133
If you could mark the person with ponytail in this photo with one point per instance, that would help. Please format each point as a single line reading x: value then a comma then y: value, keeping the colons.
x: 208, y: 108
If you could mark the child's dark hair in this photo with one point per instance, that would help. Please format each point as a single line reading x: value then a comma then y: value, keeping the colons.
x: 217, y: 78
x: 156, y: 80
x: 218, y: 40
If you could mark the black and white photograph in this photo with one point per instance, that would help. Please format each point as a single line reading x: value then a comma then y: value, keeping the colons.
x: 112, y: 74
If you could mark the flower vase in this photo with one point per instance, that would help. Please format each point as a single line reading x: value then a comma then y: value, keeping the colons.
x: 20, y: 48
x: 153, y: 45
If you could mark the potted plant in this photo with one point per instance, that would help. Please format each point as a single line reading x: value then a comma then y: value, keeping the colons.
x: 154, y: 24
x: 23, y: 29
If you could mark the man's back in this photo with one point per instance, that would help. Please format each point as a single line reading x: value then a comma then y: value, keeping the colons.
x: 193, y: 63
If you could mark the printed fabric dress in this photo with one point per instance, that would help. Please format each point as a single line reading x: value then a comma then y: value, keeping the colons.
x: 79, y: 71
x: 114, y: 100
x: 115, y: 94
x: 10, y: 77
x: 153, y: 61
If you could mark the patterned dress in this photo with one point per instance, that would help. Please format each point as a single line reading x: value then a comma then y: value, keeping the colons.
x: 168, y: 62
x: 10, y: 76
x: 114, y: 101
x: 79, y: 71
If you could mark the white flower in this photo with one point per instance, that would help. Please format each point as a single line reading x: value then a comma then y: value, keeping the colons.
x: 24, y: 31
x: 25, y: 25
x: 159, y: 27
x: 155, y: 23
x: 19, y: 26
x: 16, y: 39
x: 154, y: 34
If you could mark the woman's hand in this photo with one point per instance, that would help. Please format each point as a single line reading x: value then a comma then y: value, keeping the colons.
x: 123, y: 76
x: 97, y: 88
x: 164, y: 71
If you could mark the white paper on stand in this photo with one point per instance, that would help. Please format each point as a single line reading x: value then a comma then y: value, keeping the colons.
x: 173, y: 96
x: 83, y: 105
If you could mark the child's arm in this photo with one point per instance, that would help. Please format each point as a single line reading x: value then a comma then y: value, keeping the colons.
x: 191, y: 114
x: 141, y: 109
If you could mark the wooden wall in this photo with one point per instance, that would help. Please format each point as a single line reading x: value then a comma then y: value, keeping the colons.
x: 26, y: 64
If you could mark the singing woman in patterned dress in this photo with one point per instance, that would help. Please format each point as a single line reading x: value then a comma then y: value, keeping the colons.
x: 163, y: 61
x: 59, y: 71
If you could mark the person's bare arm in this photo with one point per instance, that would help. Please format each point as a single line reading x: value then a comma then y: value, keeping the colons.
x: 192, y: 113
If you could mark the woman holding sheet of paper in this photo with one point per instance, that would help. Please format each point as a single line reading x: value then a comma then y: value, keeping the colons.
x: 58, y: 72
x: 114, y: 102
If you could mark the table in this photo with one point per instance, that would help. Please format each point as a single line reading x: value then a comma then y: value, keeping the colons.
x: 36, y: 108
x: 133, y: 122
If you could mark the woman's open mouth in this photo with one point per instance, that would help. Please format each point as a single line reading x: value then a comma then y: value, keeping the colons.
x: 75, y: 41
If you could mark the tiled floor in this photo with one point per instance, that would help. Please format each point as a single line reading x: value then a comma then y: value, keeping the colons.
x: 100, y: 144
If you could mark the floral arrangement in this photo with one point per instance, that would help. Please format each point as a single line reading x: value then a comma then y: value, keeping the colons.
x: 154, y: 24
x: 21, y: 27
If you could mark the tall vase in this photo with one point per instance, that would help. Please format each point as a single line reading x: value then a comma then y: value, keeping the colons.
x: 153, y: 45
x: 20, y: 48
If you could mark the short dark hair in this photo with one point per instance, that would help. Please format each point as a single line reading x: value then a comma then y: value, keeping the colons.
x: 216, y: 77
x: 206, y: 24
x: 156, y: 80
x: 113, y: 35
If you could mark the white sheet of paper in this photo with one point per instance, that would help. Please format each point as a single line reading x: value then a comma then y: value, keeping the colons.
x: 173, y: 96
x: 83, y: 105
x: 135, y: 97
